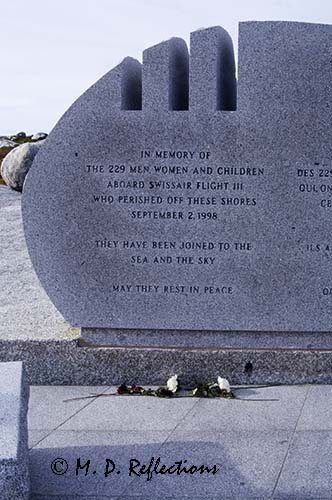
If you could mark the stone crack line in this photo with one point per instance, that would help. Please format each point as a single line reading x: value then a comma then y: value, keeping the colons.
x: 290, y: 443
x: 69, y: 418
x: 124, y: 492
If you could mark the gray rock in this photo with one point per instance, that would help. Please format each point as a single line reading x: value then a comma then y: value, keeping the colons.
x: 39, y: 136
x: 17, y: 163
x: 7, y: 143
x: 206, y: 219
x: 19, y: 135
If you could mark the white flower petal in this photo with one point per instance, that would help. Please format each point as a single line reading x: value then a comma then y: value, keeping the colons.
x: 172, y: 383
x: 224, y: 384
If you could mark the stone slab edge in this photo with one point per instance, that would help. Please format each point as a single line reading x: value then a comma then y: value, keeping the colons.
x: 14, y: 468
x: 106, y: 337
x: 65, y: 362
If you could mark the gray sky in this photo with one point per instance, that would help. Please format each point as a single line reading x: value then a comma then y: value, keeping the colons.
x: 53, y: 50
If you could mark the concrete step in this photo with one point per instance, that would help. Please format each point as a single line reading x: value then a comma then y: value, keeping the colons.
x: 14, y: 395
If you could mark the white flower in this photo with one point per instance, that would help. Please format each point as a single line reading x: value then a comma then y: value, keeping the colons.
x: 172, y: 383
x: 224, y: 384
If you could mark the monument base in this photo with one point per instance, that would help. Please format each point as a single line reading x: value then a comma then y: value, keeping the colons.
x: 108, y: 337
x: 71, y: 360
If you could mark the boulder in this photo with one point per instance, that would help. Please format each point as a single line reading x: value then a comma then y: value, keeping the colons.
x: 17, y: 163
x: 19, y: 135
x: 6, y: 143
x: 39, y: 136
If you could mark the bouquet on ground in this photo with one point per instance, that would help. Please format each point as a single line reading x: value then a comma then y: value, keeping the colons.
x: 221, y: 388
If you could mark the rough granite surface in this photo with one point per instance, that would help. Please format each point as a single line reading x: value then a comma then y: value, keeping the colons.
x: 14, y: 397
x: 25, y: 310
x: 31, y: 330
x: 254, y: 202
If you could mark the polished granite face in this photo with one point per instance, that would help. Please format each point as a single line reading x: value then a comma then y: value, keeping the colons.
x: 163, y: 200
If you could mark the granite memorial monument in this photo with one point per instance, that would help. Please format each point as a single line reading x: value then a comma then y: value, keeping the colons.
x: 173, y: 198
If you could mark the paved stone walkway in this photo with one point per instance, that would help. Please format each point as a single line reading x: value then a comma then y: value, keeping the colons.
x: 278, y: 445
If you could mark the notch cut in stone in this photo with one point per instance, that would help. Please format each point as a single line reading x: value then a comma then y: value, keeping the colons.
x: 131, y: 85
x: 119, y: 89
x: 166, y: 76
x: 212, y: 70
